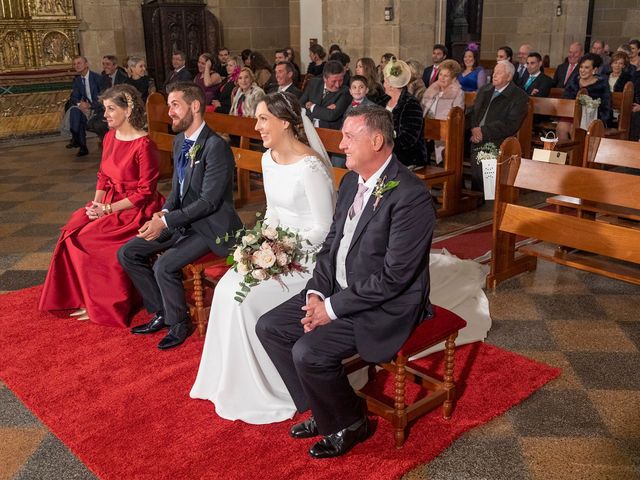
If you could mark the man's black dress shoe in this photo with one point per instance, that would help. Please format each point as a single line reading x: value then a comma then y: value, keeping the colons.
x: 306, y: 429
x: 341, y: 442
x: 72, y: 144
x: 178, y: 333
x: 155, y: 325
x: 82, y: 152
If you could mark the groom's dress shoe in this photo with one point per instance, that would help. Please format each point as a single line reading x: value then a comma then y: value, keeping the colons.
x: 155, y: 325
x: 306, y: 429
x: 178, y: 333
x: 341, y: 442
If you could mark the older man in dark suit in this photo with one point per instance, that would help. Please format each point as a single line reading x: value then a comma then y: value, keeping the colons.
x: 326, y: 99
x: 497, y: 113
x: 569, y: 69
x: 369, y: 289
x: 179, y: 72
x: 199, y: 210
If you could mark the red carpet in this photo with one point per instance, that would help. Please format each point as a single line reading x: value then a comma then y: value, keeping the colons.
x: 468, y: 245
x: 123, y: 406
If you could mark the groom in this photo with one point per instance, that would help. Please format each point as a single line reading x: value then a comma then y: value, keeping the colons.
x: 369, y: 289
x: 199, y: 209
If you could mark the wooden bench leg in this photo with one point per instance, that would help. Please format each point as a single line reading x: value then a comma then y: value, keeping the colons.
x: 399, y: 405
x: 449, y: 385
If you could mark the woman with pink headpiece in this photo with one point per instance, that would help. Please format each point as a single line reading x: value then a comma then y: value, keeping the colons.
x: 473, y: 75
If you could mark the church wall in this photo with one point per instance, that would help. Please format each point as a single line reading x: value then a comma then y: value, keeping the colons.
x: 616, y: 21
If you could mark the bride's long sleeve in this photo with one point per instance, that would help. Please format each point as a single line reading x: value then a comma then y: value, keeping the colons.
x: 319, y: 191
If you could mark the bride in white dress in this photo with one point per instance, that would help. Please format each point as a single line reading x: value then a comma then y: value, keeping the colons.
x: 235, y: 372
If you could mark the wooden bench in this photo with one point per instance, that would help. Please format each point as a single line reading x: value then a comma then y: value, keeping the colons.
x: 159, y: 126
x: 622, y: 102
x: 597, y: 247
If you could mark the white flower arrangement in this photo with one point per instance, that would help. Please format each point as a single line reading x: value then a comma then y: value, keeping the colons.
x: 488, y: 151
x: 587, y: 101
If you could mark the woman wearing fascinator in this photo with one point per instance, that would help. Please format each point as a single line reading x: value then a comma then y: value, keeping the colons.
x: 85, y: 274
x: 235, y: 372
x: 473, y: 76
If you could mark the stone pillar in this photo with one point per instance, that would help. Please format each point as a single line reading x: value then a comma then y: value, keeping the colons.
x: 313, y: 16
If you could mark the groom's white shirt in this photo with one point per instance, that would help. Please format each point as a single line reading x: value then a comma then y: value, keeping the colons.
x: 347, y: 235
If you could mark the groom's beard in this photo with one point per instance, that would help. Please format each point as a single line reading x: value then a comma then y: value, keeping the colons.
x: 182, y: 124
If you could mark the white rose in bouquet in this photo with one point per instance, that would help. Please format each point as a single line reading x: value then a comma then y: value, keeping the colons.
x: 264, y: 258
x: 260, y: 274
x: 289, y: 243
x: 270, y: 233
x: 282, y: 259
x: 238, y: 254
x: 265, y: 246
x: 249, y: 239
x: 243, y: 268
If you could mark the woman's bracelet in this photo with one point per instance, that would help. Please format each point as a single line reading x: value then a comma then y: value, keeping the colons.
x: 104, y: 209
x: 109, y: 209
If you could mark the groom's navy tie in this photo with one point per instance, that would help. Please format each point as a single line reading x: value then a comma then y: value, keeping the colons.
x: 181, y: 164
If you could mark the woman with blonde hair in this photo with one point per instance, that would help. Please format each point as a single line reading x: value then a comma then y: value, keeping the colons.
x: 247, y: 95
x: 416, y: 86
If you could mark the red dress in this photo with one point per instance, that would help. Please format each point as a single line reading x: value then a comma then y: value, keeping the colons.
x: 84, y: 269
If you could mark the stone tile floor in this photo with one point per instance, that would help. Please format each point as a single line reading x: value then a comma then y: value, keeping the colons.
x: 584, y: 425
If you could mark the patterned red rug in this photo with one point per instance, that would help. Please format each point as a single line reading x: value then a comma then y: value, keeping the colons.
x: 123, y: 407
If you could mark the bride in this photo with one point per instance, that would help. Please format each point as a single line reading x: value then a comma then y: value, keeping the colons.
x: 235, y: 372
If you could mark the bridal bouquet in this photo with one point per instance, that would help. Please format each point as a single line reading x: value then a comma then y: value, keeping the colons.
x: 265, y: 252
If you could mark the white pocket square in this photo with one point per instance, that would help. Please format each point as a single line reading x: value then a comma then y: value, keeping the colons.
x: 197, y: 162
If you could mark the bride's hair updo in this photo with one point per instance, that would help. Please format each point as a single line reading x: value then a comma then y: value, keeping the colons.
x: 285, y: 106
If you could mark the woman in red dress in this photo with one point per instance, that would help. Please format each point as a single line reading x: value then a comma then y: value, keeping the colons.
x: 84, y: 272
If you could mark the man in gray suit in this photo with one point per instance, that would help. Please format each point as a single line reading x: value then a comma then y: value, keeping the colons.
x: 199, y: 209
x: 369, y: 290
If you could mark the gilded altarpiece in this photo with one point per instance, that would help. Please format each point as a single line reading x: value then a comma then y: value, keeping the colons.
x: 38, y: 40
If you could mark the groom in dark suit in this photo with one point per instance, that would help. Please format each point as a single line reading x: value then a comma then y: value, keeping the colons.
x: 199, y: 210
x: 369, y: 289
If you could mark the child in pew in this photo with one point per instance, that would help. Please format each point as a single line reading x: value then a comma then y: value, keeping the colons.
x: 359, y: 90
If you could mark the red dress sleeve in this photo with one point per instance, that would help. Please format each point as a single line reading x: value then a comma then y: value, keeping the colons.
x: 102, y: 178
x: 149, y: 171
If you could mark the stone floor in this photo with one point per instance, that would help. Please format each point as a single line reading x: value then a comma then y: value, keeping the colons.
x: 584, y: 425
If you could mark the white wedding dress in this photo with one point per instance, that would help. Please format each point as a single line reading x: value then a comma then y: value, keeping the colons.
x: 235, y: 372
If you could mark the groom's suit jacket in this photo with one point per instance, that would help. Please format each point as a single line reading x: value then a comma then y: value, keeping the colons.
x: 206, y: 203
x: 387, y: 265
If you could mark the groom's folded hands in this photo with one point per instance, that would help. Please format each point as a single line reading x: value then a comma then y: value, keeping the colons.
x: 316, y: 313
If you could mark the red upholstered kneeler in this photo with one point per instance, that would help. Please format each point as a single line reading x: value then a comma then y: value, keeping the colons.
x: 206, y: 271
x: 443, y: 326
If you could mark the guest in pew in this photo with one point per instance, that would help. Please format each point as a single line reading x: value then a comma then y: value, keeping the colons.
x: 497, y: 113
x: 199, y: 210
x: 317, y: 56
x: 113, y: 74
x: 207, y: 78
x: 246, y: 57
x: 634, y: 130
x: 522, y: 72
x: 247, y: 95
x: 416, y: 86
x: 441, y: 96
x: 179, y: 72
x: 473, y: 76
x: 84, y: 272
x: 291, y: 58
x: 224, y: 96
x: 261, y: 71
x: 440, y: 54
x: 384, y: 59
x: 326, y: 99
x: 235, y: 372
x: 596, y: 87
x: 567, y: 71
x: 634, y: 55
x: 618, y: 77
x: 139, y: 78
x: 284, y: 79
x: 366, y: 67
x: 504, y: 53
x: 408, y: 122
x: 537, y: 83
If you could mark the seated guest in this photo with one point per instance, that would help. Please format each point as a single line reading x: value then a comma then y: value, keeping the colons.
x: 261, y: 70
x: 497, y: 113
x: 618, y: 77
x: 409, y: 145
x: 522, y: 73
x: 221, y: 64
x: 473, y: 76
x: 85, y: 91
x: 384, y: 59
x: 634, y: 130
x: 345, y: 60
x: 247, y: 95
x: 291, y: 58
x: 207, y: 79
x: 439, y: 54
x: 317, y: 56
x: 358, y: 90
x: 504, y: 53
x: 537, y: 83
x: 179, y: 72
x: 222, y: 104
x: 326, y: 99
x: 596, y: 87
x: 280, y: 56
x: 416, y: 86
x: 139, y: 78
x: 84, y: 272
x: 597, y: 47
x: 284, y: 80
x: 113, y: 74
x: 246, y: 57
x: 198, y: 211
x: 634, y: 53
x: 441, y: 96
x: 366, y: 68
x: 334, y: 48
x: 568, y: 70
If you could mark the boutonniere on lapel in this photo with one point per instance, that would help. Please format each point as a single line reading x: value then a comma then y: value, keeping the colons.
x: 192, y: 153
x: 382, y: 186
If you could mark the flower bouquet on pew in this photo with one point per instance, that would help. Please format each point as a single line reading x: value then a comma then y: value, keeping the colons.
x: 265, y: 252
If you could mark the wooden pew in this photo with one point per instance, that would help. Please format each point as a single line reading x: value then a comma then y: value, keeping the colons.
x: 159, y: 126
x: 243, y: 127
x: 556, y: 92
x: 597, y: 247
x: 622, y: 102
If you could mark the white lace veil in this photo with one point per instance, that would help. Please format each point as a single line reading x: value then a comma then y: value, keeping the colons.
x: 315, y: 143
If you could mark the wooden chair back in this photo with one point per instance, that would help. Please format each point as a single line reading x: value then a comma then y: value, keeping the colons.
x: 622, y: 102
x: 609, y: 152
x: 330, y: 139
x: 243, y: 127
x: 157, y: 113
x: 556, y: 92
